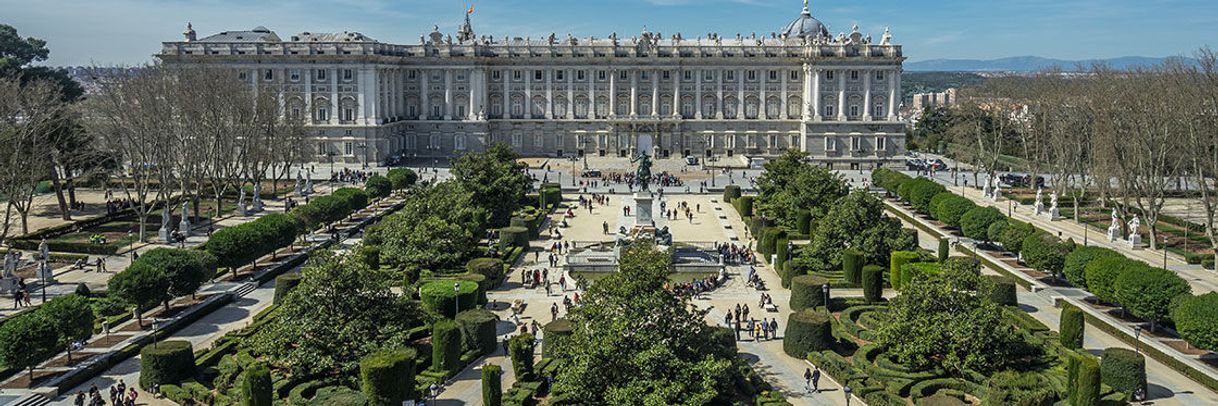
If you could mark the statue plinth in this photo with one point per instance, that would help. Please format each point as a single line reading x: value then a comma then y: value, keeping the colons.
x: 642, y: 209
x: 1114, y: 233
x: 1135, y: 241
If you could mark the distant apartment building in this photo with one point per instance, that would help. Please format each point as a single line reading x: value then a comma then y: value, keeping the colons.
x: 946, y: 98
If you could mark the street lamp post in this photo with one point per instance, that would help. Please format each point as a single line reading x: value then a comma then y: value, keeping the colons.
x: 825, y: 288
x: 456, y: 298
x: 1165, y: 251
x: 131, y: 246
x: 44, y: 270
x: 1137, y: 339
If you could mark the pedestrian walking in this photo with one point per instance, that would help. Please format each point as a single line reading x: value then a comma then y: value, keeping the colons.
x: 808, y: 379
x: 816, y: 380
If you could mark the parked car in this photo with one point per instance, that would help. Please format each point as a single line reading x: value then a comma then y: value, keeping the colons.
x: 936, y: 164
x: 1016, y: 179
x: 591, y: 173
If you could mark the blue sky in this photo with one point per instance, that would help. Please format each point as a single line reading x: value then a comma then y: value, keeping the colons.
x: 106, y: 32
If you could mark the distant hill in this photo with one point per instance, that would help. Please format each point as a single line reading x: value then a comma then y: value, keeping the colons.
x: 1023, y: 64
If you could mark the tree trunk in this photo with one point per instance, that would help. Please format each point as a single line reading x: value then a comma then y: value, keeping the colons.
x: 65, y: 212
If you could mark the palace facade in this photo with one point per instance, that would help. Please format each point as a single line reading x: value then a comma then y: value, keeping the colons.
x: 833, y: 96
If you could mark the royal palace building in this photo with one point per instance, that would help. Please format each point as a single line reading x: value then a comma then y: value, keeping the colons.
x: 833, y: 96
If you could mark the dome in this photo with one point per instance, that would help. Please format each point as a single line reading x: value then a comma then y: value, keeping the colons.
x: 805, y: 26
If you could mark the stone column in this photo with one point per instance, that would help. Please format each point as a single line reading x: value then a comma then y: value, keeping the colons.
x: 634, y: 94
x: 719, y: 88
x: 612, y: 93
x: 867, y: 95
x: 591, y: 95
x: 698, y: 94
x: 528, y: 93
x: 676, y: 93
x: 655, y: 93
x: 570, y: 94
x: 783, y: 94
x: 817, y: 111
x: 333, y: 109
x: 549, y: 77
x: 761, y: 98
x: 424, y: 97
x: 841, y: 95
x: 448, y: 94
x: 474, y: 85
x: 308, y: 95
x: 740, y: 94
x: 505, y: 101
x: 894, y: 93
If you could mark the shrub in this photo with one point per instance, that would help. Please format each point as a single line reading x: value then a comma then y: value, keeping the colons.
x: 803, y: 222
x: 478, y: 330
x: 142, y: 285
x: 401, y: 178
x: 378, y: 186
x: 724, y: 340
x: 492, y: 385
x: 943, y: 251
x: 922, y: 191
x: 1045, y: 253
x: 338, y: 396
x: 166, y: 362
x: 1022, y: 389
x: 439, y: 296
x: 354, y: 198
x: 730, y: 192
x: 1102, y: 274
x: 492, y: 268
x: 951, y: 208
x: 807, y: 331
x: 976, y: 222
x: 27, y: 339
x: 284, y: 284
x: 806, y: 292
x: 1074, y: 266
x: 1196, y: 319
x: 897, y: 259
x: 187, y: 269
x: 520, y: 348
x: 852, y: 265
x: 1123, y: 370
x: 445, y: 347
x: 916, y: 270
x: 744, y: 205
x: 873, y: 283
x: 962, y: 265
x: 769, y: 240
x: 555, y: 332
x: 1083, y: 373
x: 1001, y: 290
x: 241, y: 244
x: 1073, y: 327
x: 513, y: 237
x: 256, y: 386
x: 1013, y: 235
x: 1147, y: 293
x: 388, y: 377
x: 781, y: 251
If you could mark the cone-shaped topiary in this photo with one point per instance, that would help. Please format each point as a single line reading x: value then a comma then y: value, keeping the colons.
x: 166, y: 362
x: 555, y: 332
x: 492, y: 385
x: 520, y: 348
x: 477, y: 330
x: 445, y: 347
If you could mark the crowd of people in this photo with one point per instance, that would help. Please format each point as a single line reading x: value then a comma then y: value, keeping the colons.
x: 736, y: 254
x: 758, y: 330
x: 350, y: 176
x: 120, y: 395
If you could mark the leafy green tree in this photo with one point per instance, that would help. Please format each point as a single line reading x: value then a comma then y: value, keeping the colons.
x: 498, y: 182
x: 402, y: 178
x: 16, y: 55
x: 429, y: 244
x: 1013, y: 235
x: 141, y: 285
x: 26, y: 340
x: 1196, y: 319
x: 791, y: 184
x: 1076, y: 262
x: 1102, y: 274
x: 1148, y: 293
x: 939, y: 320
x: 73, y: 319
x: 636, y: 343
x: 378, y: 186
x: 976, y: 222
x: 186, y: 269
x: 855, y: 221
x: 340, y: 312
x: 1046, y: 253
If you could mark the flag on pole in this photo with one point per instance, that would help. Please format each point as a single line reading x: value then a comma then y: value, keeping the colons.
x: 471, y: 10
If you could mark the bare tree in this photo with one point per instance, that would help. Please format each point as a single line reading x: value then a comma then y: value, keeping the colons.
x: 29, y: 114
x: 1198, y: 87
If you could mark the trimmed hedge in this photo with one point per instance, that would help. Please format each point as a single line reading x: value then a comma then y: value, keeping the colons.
x: 873, y: 283
x: 807, y: 331
x: 445, y: 347
x: 378, y: 186
x: 492, y: 268
x: 438, y: 296
x: 401, y: 178
x: 1046, y: 253
x: 730, y: 192
x: 1123, y: 370
x: 166, y: 362
x: 478, y: 330
x: 744, y: 205
x: 1001, y: 290
x: 492, y: 385
x: 920, y: 191
x: 769, y: 240
x: 807, y: 292
x: 803, y: 222
x: 1102, y: 274
x: 724, y: 340
x: 1196, y: 319
x: 520, y: 348
x: 781, y: 251
x: 915, y: 270
x: 243, y: 243
x: 896, y: 260
x: 513, y: 237
x: 1083, y: 380
x: 951, y: 208
x: 1074, y: 267
x: 976, y: 222
x: 338, y: 396
x: 1148, y: 293
x: 1073, y: 327
x: 943, y: 252
x: 388, y: 377
x: 555, y: 332
x: 852, y: 265
x: 256, y: 386
x: 284, y: 285
x: 1012, y: 235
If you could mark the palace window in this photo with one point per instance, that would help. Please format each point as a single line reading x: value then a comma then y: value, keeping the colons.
x: 773, y: 75
x: 752, y: 75
x: 295, y: 75
x: 348, y: 148
x: 879, y: 75
x: 538, y: 141
x: 643, y: 75
x: 877, y: 110
x: 580, y: 75
x: 436, y: 111
x: 881, y: 144
x: 829, y: 75
x: 830, y: 144
x: 460, y: 76
x: 348, y: 114
x: 794, y: 75
x: 856, y: 144
x: 269, y: 75
x: 708, y: 76
x: 854, y: 75
x: 689, y: 75
x: 295, y: 113
x: 623, y: 75
x: 242, y: 76
x: 348, y: 74
x: 411, y: 75
x: 667, y: 75
x: 323, y: 148
x: 854, y: 110
x: 538, y: 75
x: 829, y: 110
x: 516, y: 75
x: 321, y: 74
x: 495, y: 75
x: 559, y: 75
x: 460, y: 142
x: 323, y: 114
x: 731, y: 75
x: 600, y: 75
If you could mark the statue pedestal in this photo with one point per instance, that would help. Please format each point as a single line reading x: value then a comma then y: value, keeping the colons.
x: 1054, y: 214
x: 642, y: 209
x: 997, y: 195
x: 1135, y: 242
x: 8, y: 284
x: 164, y: 233
x: 46, y: 274
x: 1038, y: 209
x: 184, y: 226
x: 244, y: 211
x: 257, y: 204
x: 1114, y: 233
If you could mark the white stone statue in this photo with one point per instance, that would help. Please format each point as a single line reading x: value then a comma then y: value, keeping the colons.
x: 309, y: 185
x: 165, y: 230
x: 1053, y: 200
x: 299, y: 183
x: 1054, y: 213
x: 241, y: 208
x: 44, y: 251
x: 1039, y: 206
x: 1133, y: 226
x: 184, y: 225
x: 985, y: 191
x: 257, y: 197
x: 1114, y: 228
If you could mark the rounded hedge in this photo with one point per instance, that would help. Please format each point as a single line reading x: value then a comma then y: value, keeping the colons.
x: 1123, y: 370
x: 554, y: 334
x: 1196, y: 319
x: 446, y: 347
x: 724, y: 342
x: 1074, y: 266
x: 243, y: 243
x: 338, y: 396
x: 803, y: 222
x: 730, y: 192
x: 388, y: 377
x: 943, y: 250
x: 483, y: 285
x: 492, y: 385
x: 513, y: 237
x: 896, y: 260
x: 284, y: 285
x: 1073, y: 327
x: 852, y: 265
x: 921, y: 191
x: 807, y: 331
x: 401, y: 178
x: 1045, y: 253
x: 438, y: 296
x: 1102, y: 274
x: 478, y: 330
x: 166, y: 362
x: 1148, y: 292
x: 355, y: 198
x: 807, y: 292
x: 1001, y: 290
x: 917, y: 270
x: 492, y: 268
x: 769, y: 240
x: 378, y: 186
x: 745, y: 205
x: 952, y: 209
x: 873, y: 283
x: 976, y: 222
x: 256, y: 386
